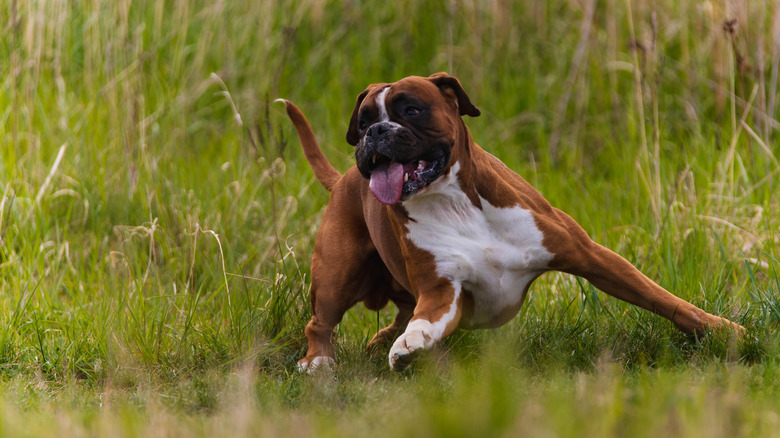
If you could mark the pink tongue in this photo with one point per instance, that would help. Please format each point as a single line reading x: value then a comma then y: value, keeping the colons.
x: 387, y: 182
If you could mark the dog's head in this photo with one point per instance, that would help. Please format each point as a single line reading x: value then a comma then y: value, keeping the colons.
x: 404, y: 132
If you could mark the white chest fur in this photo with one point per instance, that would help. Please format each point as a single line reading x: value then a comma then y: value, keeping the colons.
x: 493, y: 253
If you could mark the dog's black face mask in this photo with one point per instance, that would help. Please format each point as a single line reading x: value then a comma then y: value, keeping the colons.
x: 397, y: 162
x: 402, y: 138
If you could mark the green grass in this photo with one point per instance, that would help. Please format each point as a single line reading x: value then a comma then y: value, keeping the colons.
x: 157, y: 217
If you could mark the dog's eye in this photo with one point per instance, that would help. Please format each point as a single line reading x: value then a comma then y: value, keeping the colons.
x: 362, y: 125
x: 412, y: 111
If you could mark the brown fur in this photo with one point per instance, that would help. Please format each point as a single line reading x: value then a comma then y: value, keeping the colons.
x: 363, y: 254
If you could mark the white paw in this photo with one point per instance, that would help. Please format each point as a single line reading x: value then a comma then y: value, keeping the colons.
x: 319, y: 362
x: 417, y: 337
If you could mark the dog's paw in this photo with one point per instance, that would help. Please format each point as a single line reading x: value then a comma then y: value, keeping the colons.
x: 318, y: 363
x: 382, y: 340
x: 417, y: 337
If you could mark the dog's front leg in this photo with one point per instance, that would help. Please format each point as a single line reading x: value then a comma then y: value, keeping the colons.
x: 616, y: 276
x: 577, y: 254
x: 436, y: 315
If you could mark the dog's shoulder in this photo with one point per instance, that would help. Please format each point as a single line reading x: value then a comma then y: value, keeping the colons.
x: 505, y: 188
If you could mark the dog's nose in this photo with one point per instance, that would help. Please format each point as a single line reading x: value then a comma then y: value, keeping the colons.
x: 378, y: 129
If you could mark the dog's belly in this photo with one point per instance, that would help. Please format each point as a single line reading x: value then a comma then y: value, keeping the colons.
x: 492, y: 254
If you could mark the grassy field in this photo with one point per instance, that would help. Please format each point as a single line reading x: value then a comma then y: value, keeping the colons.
x: 157, y: 217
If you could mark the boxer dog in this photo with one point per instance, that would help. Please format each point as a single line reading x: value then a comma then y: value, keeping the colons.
x: 430, y: 221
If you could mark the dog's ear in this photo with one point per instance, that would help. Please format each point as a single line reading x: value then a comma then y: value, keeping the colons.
x: 451, y: 85
x: 352, y: 132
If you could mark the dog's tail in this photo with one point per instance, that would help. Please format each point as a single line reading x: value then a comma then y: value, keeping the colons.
x: 325, y: 173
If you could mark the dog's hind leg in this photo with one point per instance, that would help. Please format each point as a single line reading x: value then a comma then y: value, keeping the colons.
x: 329, y: 302
x: 345, y: 271
x: 319, y: 332
x: 388, y: 334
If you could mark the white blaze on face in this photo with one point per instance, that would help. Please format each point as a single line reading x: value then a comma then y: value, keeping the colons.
x: 380, y: 104
x: 387, y: 179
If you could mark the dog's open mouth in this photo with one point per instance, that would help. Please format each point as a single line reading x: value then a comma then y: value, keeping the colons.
x: 391, y: 180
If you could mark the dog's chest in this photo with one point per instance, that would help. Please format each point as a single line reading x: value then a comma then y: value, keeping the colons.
x: 491, y: 253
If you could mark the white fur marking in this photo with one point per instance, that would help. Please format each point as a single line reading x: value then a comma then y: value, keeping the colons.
x: 380, y: 104
x: 319, y: 362
x: 494, y: 253
x: 419, y: 335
